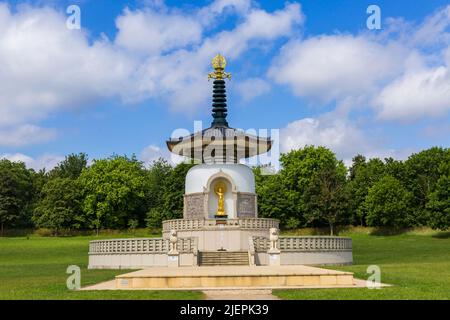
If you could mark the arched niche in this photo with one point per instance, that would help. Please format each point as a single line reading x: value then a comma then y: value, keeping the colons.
x: 212, y: 198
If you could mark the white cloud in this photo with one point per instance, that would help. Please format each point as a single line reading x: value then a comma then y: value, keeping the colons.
x: 335, y: 67
x: 402, y: 73
x: 16, y: 136
x: 434, y: 28
x: 251, y: 88
x: 152, y: 153
x: 150, y: 32
x: 158, y: 53
x: 208, y: 14
x: 45, y: 161
x: 172, y: 75
x: 337, y: 134
x: 47, y: 68
x: 415, y: 95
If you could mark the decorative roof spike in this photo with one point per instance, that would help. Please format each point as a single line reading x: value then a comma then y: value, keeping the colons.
x: 219, y: 93
x: 219, y: 63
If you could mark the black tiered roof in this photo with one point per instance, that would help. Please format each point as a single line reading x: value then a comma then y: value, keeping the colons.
x: 219, y: 143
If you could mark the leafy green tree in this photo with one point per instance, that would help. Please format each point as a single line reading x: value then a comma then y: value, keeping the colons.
x: 133, y: 224
x: 272, y: 195
x: 59, y: 206
x: 395, y: 168
x: 363, y: 174
x: 114, y: 191
x: 387, y: 203
x: 157, y: 174
x: 438, y: 205
x: 71, y: 167
x: 421, y: 176
x: 38, y: 180
x: 298, y: 170
x: 16, y: 192
x: 325, y: 197
x: 173, y: 191
x: 154, y: 218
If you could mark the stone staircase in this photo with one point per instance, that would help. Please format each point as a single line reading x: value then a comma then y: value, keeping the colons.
x: 223, y: 258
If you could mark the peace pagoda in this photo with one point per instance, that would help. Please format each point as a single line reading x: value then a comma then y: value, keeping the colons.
x: 220, y: 203
x: 220, y: 225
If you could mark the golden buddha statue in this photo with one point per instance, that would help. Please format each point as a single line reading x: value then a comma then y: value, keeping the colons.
x: 220, y: 190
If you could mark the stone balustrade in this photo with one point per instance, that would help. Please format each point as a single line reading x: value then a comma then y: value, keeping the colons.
x: 140, y: 245
x: 197, y: 224
x: 305, y: 243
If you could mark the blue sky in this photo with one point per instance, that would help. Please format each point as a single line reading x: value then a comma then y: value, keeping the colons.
x: 137, y: 70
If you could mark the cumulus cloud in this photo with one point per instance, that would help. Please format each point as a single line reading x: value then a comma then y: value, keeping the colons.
x: 162, y: 31
x: 415, y: 95
x: 173, y: 74
x: 434, y: 29
x: 334, y: 67
x: 17, y: 136
x: 152, y: 153
x: 157, y: 53
x: 336, y: 133
x: 251, y: 88
x: 47, y: 68
x: 209, y: 13
x: 401, y: 73
x: 45, y: 161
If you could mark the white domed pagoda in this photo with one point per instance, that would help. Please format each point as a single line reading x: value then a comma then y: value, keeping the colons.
x: 219, y: 150
x: 220, y: 191
x: 220, y: 224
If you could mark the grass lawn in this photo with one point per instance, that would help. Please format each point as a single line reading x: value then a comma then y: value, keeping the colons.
x: 35, y: 268
x: 418, y: 265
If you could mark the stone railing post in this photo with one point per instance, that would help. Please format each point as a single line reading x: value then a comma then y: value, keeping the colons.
x: 274, y: 252
x: 251, y: 251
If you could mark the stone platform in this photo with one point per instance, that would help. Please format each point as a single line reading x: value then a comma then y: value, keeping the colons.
x: 234, y: 277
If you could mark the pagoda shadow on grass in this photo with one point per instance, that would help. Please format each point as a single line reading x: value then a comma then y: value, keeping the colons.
x: 220, y: 224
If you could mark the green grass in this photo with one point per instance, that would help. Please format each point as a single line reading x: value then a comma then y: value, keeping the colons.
x: 417, y: 265
x: 35, y: 268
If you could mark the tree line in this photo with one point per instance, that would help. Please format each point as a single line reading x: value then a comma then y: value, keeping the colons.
x: 312, y: 189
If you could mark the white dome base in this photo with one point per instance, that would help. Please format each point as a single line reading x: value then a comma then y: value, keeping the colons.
x: 201, y: 200
x: 199, y: 176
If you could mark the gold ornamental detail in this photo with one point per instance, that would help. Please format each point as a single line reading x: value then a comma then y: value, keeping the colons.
x: 219, y: 63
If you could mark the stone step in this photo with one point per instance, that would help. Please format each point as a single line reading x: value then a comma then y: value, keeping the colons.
x: 229, y: 258
x: 235, y: 277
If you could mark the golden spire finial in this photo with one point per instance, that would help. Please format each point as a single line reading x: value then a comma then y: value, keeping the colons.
x: 219, y: 63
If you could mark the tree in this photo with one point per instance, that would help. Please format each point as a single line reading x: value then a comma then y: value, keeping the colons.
x: 154, y: 218
x: 71, y: 167
x: 395, y: 168
x: 59, y: 206
x: 438, y: 205
x: 272, y: 199
x: 114, y: 191
x: 298, y: 170
x: 325, y: 196
x: 133, y: 224
x: 421, y: 176
x: 363, y: 175
x: 16, y: 191
x: 387, y: 203
x: 173, y: 191
x: 157, y: 175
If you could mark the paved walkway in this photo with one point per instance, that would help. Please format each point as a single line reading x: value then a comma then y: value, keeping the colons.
x: 239, y: 295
